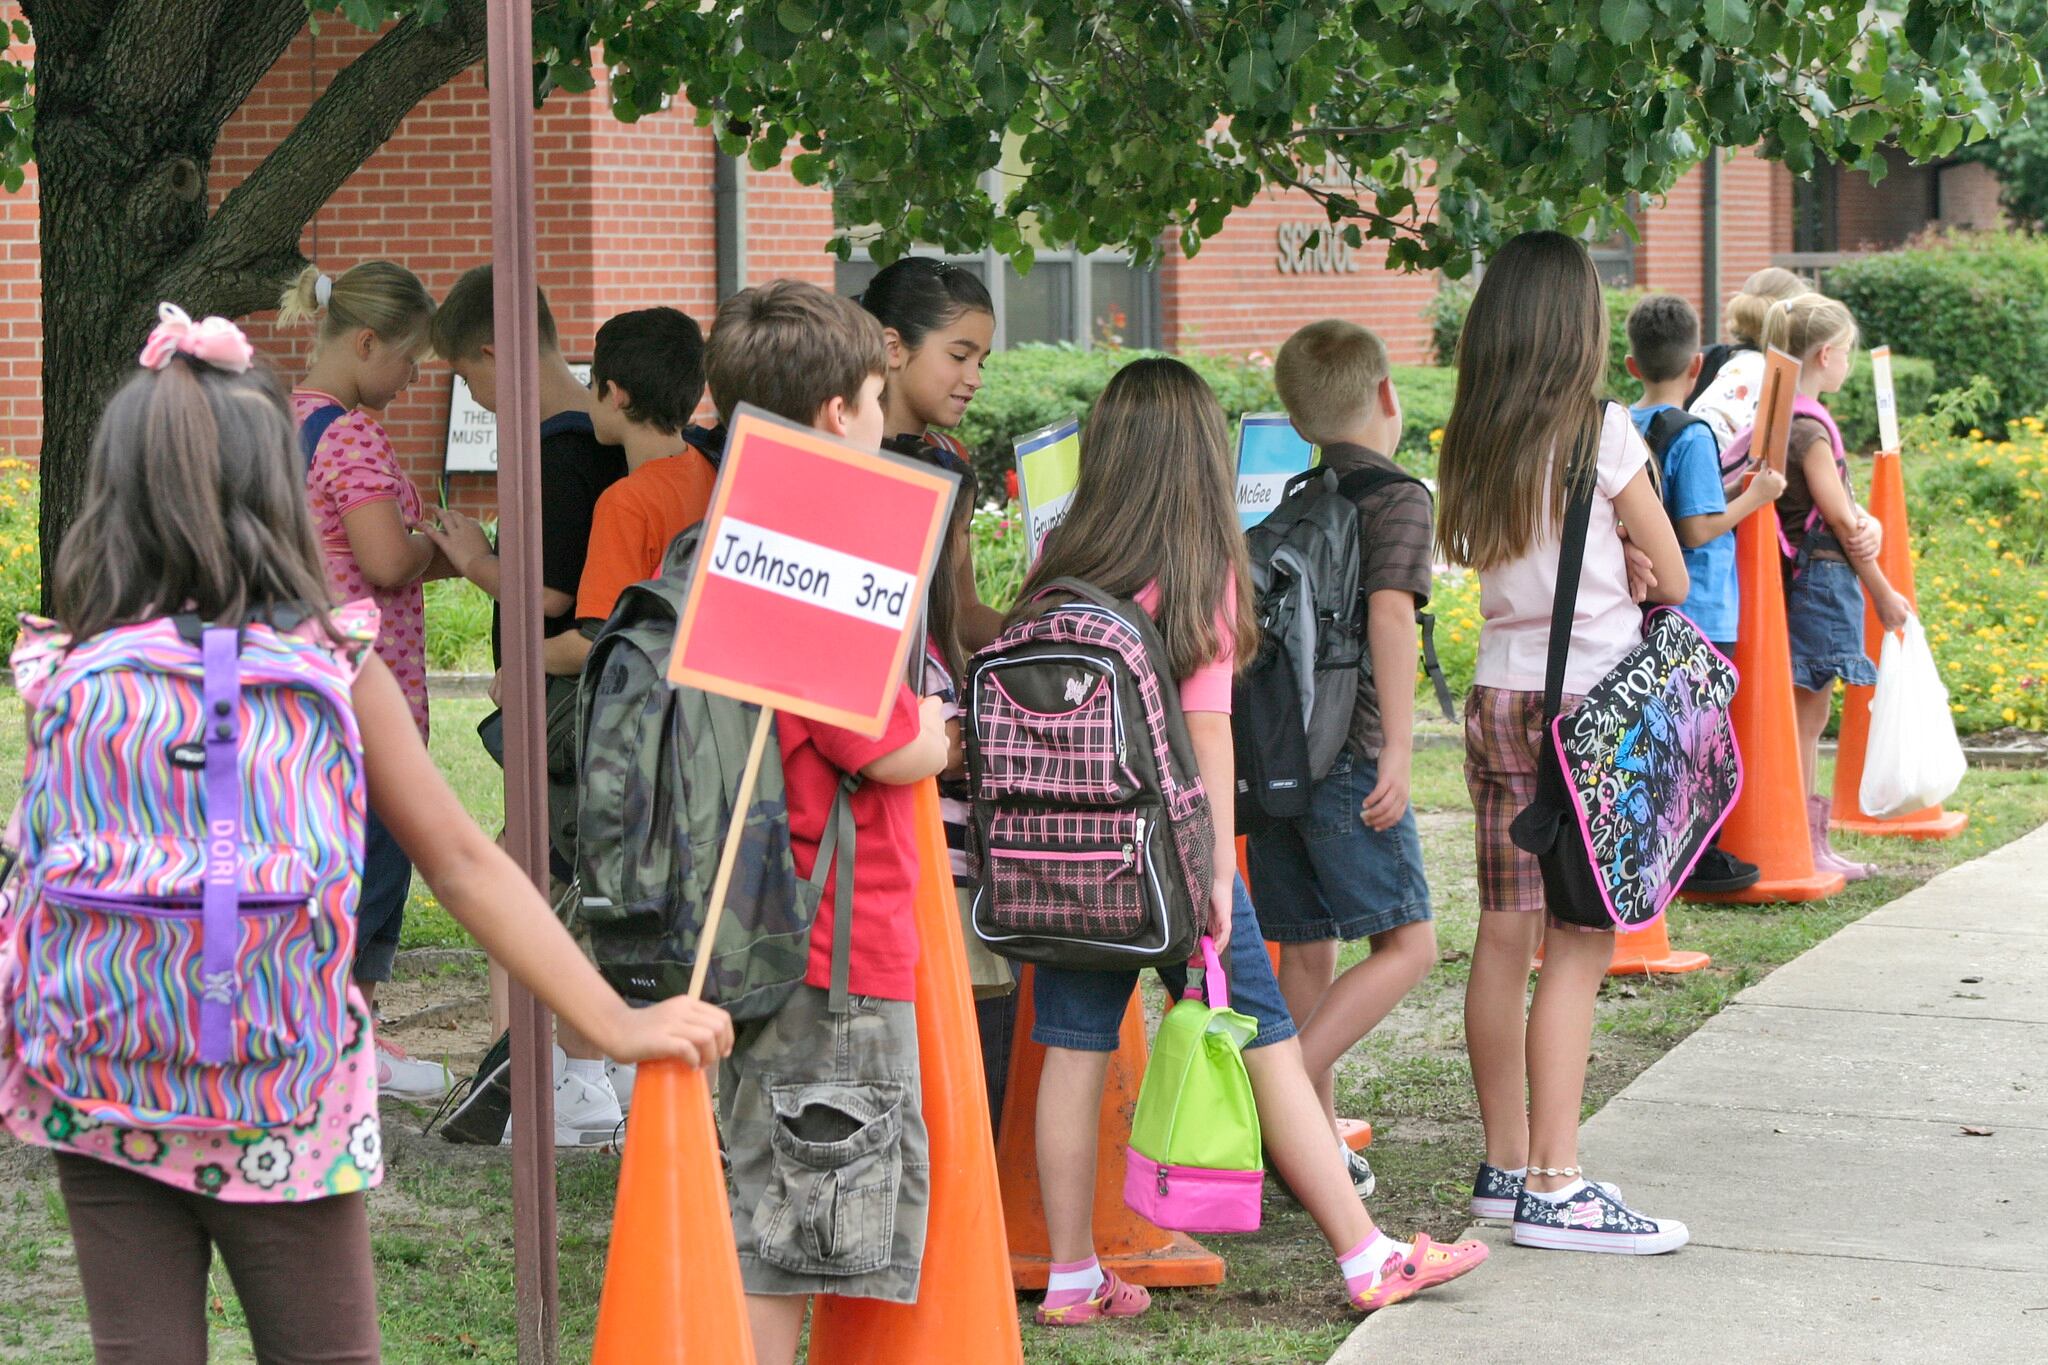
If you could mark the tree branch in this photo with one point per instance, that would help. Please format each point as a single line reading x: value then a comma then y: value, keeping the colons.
x: 153, y: 56
x: 67, y: 27
x: 263, y: 33
x: 257, y: 227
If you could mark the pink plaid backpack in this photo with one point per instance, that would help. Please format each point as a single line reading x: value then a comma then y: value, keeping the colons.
x: 190, y: 837
x: 1090, y: 822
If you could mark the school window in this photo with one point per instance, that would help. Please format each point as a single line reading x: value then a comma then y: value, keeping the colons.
x: 1088, y: 300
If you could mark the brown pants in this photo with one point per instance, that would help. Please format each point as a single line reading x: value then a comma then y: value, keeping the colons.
x: 302, y: 1271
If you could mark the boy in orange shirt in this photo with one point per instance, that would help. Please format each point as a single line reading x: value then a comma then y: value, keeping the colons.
x: 647, y: 372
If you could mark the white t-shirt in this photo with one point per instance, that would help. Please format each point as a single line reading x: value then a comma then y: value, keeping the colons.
x: 1515, y: 599
x: 1729, y: 402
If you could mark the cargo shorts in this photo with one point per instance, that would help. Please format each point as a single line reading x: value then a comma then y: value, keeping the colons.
x: 823, y: 1121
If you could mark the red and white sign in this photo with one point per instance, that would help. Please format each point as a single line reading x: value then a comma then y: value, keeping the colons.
x: 810, y: 579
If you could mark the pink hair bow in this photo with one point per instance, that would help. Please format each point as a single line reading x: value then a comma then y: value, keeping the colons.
x: 216, y: 341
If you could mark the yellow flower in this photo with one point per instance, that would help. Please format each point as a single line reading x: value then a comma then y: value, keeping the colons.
x: 1976, y: 435
x: 2010, y: 715
x: 1436, y: 436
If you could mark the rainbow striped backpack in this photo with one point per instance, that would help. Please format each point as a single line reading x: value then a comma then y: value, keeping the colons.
x: 190, y: 837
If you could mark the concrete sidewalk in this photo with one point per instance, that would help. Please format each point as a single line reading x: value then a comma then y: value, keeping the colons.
x: 1812, y: 1137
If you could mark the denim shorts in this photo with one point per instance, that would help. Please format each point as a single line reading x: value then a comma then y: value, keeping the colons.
x: 1328, y: 875
x: 1084, y: 1011
x: 380, y: 909
x: 1824, y: 616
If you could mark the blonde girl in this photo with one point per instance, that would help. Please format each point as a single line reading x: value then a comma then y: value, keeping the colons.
x: 1528, y: 425
x: 1154, y: 520
x: 1833, y: 563
x: 373, y: 322
x: 1725, y: 394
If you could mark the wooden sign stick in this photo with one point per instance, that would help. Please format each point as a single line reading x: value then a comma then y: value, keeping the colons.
x: 730, y: 854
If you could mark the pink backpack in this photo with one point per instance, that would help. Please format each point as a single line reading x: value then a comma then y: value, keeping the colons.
x: 190, y: 837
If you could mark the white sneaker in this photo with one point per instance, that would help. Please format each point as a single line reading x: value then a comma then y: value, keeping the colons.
x: 587, y: 1113
x: 402, y: 1076
x: 621, y: 1075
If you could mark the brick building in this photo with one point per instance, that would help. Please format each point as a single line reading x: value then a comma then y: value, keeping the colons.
x: 649, y: 212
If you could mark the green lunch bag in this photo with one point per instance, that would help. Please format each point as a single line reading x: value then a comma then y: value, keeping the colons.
x: 1194, y: 1163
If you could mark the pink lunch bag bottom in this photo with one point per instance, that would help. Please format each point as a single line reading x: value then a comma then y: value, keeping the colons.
x: 1192, y: 1198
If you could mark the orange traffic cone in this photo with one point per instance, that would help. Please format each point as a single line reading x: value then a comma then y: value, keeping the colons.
x: 966, y: 1307
x: 1768, y: 825
x: 1357, y: 1133
x: 1888, y: 505
x: 672, y: 1279
x: 1648, y: 952
x: 1127, y: 1244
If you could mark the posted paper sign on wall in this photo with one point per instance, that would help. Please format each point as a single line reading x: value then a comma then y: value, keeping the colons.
x: 1269, y: 453
x: 810, y: 579
x: 1048, y: 467
x: 1887, y: 400
x: 473, y: 429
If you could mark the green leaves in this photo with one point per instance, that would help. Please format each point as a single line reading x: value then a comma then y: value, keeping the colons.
x: 1726, y: 21
x: 1624, y: 21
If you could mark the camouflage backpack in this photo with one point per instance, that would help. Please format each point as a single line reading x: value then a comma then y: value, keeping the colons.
x: 659, y: 769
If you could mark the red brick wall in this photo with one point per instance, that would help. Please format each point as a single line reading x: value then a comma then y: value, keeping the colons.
x: 21, y: 306
x: 1233, y: 296
x: 1756, y: 224
x: 1878, y: 216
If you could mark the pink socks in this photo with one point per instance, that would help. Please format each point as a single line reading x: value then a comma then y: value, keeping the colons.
x: 1073, y: 1282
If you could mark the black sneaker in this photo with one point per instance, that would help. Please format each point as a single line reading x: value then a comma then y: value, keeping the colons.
x: 1360, y: 1170
x: 1720, y: 871
x: 484, y: 1105
x: 1496, y: 1192
x: 1594, y: 1219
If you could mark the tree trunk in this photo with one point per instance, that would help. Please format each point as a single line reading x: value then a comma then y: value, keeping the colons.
x: 131, y: 96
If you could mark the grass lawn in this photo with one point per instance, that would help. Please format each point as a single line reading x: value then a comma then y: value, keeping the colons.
x: 442, y: 1221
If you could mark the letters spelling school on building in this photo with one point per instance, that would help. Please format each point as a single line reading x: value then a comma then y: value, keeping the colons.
x: 632, y: 215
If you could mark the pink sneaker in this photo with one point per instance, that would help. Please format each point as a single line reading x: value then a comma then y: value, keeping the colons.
x: 1428, y: 1265
x: 1117, y: 1298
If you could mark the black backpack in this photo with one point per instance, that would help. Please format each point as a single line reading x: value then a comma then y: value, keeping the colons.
x: 1711, y: 360
x: 1292, y: 706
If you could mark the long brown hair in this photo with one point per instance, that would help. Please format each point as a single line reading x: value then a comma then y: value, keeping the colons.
x: 1156, y: 503
x: 1532, y: 361
x: 197, y: 503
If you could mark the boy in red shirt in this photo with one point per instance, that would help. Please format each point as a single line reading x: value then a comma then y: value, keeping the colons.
x: 821, y: 1110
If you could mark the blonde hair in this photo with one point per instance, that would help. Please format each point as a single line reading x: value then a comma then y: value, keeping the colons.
x: 1801, y: 326
x: 1743, y: 319
x: 1327, y: 374
x: 1525, y: 420
x: 380, y: 295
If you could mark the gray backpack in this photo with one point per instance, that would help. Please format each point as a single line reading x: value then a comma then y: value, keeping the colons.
x: 659, y: 769
x: 1294, y: 702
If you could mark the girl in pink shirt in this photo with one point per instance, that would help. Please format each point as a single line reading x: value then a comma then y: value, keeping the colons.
x: 1154, y: 520
x: 366, y: 513
x: 1528, y: 425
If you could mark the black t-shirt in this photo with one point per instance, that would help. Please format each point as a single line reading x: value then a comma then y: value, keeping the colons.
x: 575, y: 467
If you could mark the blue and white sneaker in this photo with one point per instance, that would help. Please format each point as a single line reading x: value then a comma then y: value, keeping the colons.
x: 1593, y: 1219
x: 1495, y: 1193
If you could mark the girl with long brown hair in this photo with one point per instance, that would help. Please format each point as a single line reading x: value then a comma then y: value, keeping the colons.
x: 1527, y: 427
x: 1154, y: 520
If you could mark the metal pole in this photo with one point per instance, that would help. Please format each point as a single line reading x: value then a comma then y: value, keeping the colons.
x: 1710, y: 246
x: 516, y: 327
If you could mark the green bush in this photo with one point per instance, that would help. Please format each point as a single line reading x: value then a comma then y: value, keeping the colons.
x: 458, y: 627
x: 1972, y: 303
x: 1446, y: 315
x: 1855, y: 407
x: 21, y: 564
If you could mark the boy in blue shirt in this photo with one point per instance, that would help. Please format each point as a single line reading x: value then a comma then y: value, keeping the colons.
x: 1664, y: 356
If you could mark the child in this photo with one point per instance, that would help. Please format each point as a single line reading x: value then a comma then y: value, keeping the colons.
x: 196, y: 506
x: 1527, y: 424
x: 1154, y: 519
x: 1731, y: 374
x: 816, y: 1105
x: 1352, y: 867
x: 938, y: 323
x: 1823, y: 607
x: 575, y: 470
x: 1663, y: 339
x: 374, y: 321
x: 647, y: 374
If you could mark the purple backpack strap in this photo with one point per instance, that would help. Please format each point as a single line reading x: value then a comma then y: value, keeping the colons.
x: 220, y: 904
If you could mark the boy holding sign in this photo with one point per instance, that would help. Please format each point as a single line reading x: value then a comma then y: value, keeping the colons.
x: 815, y: 1102
x: 1352, y: 867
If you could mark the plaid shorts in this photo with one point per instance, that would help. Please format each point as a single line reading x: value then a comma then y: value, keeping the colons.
x: 1504, y: 734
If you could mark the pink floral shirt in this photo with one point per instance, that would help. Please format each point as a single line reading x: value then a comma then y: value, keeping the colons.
x: 354, y: 466
x: 338, y: 1149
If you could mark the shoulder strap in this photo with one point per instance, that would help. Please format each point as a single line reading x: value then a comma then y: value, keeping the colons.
x: 837, y: 846
x: 1571, y: 558
x: 1086, y: 591
x: 1361, y: 483
x: 1667, y: 426
x: 315, y: 426
x: 220, y: 932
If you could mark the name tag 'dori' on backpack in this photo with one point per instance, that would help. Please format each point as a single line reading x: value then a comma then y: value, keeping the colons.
x: 1090, y: 822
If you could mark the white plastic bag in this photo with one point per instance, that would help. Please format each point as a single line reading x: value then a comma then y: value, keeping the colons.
x: 1914, y: 760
